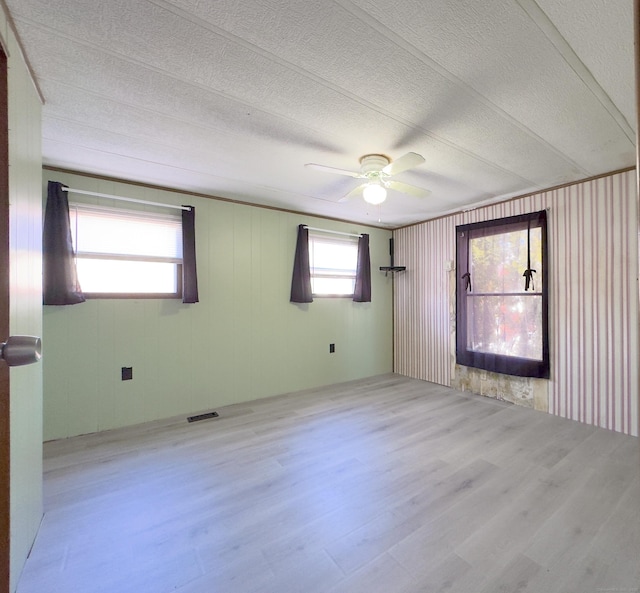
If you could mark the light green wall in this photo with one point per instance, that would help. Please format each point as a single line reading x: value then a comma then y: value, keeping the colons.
x: 242, y: 341
x: 25, y: 219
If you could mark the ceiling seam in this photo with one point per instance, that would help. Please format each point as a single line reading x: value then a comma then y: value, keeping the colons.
x: 85, y: 125
x: 307, y: 74
x: 167, y: 114
x: 156, y: 70
x: 356, y: 11
x: 261, y: 80
x: 551, y: 32
x: 162, y: 114
x: 284, y: 63
x: 179, y: 168
x: 406, y: 47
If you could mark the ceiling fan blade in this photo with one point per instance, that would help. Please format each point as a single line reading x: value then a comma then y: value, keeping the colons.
x: 356, y: 191
x: 405, y: 188
x: 326, y: 169
x: 407, y: 161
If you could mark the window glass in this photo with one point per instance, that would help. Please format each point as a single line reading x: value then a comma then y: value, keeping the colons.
x: 332, y: 263
x: 507, y: 325
x: 106, y: 276
x: 126, y: 253
x: 496, y: 260
x: 501, y: 322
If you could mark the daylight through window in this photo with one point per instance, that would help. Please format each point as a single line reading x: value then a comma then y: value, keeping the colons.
x: 333, y: 262
x: 502, y: 296
x: 125, y: 252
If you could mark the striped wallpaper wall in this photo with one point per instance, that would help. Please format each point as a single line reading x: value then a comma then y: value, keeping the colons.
x: 593, y: 253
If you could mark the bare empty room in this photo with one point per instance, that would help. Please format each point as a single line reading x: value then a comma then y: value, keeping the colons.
x: 319, y: 297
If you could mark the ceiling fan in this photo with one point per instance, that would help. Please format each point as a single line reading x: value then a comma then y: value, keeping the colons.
x: 377, y: 170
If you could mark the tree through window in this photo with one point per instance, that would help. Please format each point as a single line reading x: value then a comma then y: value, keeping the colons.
x: 501, y: 296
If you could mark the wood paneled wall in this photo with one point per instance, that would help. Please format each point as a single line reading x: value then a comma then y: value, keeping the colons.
x: 244, y: 340
x: 593, y: 249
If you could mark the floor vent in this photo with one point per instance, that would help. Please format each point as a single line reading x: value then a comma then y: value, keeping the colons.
x: 203, y: 416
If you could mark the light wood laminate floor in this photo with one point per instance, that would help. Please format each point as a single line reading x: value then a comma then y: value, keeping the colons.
x: 384, y: 485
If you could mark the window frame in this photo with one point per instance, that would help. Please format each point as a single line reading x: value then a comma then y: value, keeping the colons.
x: 133, y: 214
x: 499, y: 363
x: 341, y: 240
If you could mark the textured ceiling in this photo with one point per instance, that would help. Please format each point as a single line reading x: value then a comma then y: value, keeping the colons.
x: 232, y: 97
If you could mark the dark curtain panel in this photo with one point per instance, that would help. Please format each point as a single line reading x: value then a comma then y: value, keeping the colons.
x: 60, y: 279
x: 189, y: 273
x: 301, y: 279
x: 362, y: 290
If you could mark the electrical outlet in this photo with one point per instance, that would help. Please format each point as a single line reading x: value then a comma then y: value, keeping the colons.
x: 127, y: 373
x: 332, y: 348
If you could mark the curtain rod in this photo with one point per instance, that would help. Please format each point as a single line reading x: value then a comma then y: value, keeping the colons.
x: 312, y: 228
x: 98, y: 195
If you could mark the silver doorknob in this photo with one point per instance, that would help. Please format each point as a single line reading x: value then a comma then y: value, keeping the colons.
x: 20, y: 350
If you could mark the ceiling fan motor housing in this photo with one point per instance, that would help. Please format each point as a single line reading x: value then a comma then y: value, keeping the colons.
x: 371, y: 165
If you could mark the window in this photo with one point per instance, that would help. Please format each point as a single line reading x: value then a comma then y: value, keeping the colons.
x: 501, y: 296
x: 333, y: 262
x: 122, y: 253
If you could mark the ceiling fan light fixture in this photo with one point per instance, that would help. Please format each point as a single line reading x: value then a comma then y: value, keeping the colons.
x: 374, y: 193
